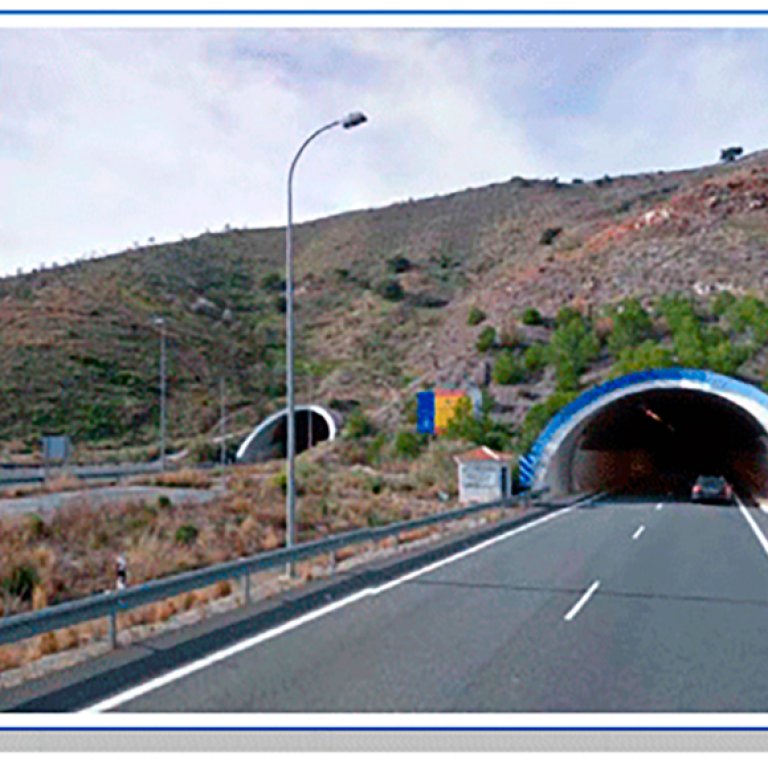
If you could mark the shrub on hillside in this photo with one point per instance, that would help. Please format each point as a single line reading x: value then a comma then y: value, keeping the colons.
x: 549, y: 235
x: 272, y: 281
x: 186, y: 534
x: 202, y: 451
x: 391, y: 290
x: 645, y: 356
x: 21, y: 582
x: 508, y: 368
x: 631, y: 326
x: 722, y: 303
x: 677, y: 310
x: 535, y: 357
x: 358, y: 425
x: 726, y: 357
x: 566, y: 314
x: 475, y: 316
x: 531, y: 316
x: 749, y: 315
x: 408, y: 445
x: 399, y: 264
x: 479, y: 430
x: 574, y: 345
x: 375, y: 449
x: 688, y: 343
x: 486, y: 339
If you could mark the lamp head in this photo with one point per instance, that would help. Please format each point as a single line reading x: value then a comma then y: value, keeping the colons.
x: 353, y: 119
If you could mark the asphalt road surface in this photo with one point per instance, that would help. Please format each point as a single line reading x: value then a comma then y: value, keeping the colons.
x: 621, y: 605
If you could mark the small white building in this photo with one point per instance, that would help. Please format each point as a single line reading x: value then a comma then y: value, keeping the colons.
x: 484, y: 475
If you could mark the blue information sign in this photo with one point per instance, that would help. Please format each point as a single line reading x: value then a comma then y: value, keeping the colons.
x: 425, y: 413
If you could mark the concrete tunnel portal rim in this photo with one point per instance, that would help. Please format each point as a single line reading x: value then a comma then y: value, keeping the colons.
x: 270, y: 421
x: 535, y: 464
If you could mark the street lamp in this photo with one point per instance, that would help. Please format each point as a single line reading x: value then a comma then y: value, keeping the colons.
x: 160, y: 322
x: 351, y: 120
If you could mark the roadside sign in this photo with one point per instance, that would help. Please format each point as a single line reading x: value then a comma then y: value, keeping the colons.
x: 425, y: 413
x: 56, y: 448
x: 436, y: 408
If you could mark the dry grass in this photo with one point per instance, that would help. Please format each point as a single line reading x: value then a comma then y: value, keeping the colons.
x: 183, y: 478
x: 57, y: 484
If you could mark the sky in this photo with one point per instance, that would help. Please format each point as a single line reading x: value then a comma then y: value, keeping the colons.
x: 116, y: 137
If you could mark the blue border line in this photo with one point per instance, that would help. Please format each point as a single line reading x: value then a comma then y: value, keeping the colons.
x: 383, y: 12
x: 393, y: 728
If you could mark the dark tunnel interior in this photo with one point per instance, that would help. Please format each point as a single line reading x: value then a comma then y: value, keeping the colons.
x: 311, y: 429
x: 658, y: 442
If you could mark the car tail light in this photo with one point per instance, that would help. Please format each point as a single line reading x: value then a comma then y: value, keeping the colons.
x: 697, y: 489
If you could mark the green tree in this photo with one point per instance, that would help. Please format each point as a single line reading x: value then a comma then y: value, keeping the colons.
x: 722, y: 303
x: 408, y: 445
x: 565, y: 315
x: 535, y: 357
x: 532, y: 316
x: 358, y: 425
x: 573, y: 346
x: 508, y: 368
x: 479, y: 430
x: 486, y: 339
x: 644, y: 357
x: 726, y: 357
x: 748, y: 315
x: 631, y: 326
x: 688, y: 342
x: 677, y: 310
x: 391, y: 290
x: 475, y: 316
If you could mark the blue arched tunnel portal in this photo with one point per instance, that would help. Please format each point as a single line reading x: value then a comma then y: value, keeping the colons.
x: 654, y: 432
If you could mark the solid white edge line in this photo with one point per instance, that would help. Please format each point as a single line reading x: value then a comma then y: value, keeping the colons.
x: 581, y: 602
x: 251, y: 642
x: 753, y: 525
x: 638, y: 533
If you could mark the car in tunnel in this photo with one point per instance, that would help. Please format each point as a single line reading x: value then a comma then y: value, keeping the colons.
x: 711, y: 488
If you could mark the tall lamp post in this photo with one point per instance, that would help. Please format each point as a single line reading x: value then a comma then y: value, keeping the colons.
x: 160, y: 323
x: 351, y: 120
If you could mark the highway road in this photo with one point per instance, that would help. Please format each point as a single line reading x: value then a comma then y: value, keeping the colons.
x: 619, y: 605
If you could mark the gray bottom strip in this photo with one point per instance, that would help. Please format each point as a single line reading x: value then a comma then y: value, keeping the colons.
x: 429, y: 741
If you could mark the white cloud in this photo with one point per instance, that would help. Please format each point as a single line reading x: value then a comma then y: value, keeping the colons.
x: 109, y: 137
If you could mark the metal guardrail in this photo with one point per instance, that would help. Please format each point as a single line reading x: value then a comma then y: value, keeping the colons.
x: 18, y: 475
x: 110, y: 604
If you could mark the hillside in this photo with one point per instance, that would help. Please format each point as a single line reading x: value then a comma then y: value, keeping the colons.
x: 383, y: 298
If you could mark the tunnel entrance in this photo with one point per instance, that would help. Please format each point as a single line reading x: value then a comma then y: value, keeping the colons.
x: 269, y: 440
x: 660, y: 441
x: 655, y: 432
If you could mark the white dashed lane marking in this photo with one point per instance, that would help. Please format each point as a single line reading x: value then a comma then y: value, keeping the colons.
x: 571, y: 615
